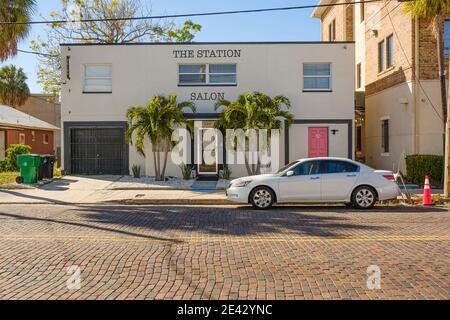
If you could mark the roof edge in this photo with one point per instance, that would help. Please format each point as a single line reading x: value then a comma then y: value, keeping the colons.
x: 202, y: 43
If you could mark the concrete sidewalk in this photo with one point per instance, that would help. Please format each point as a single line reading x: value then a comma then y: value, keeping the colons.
x: 97, y: 189
x: 102, y: 189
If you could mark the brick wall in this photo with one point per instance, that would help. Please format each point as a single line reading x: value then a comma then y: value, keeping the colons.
x: 329, y: 15
x: 378, y: 28
x: 36, y: 142
x: 39, y: 107
x: 428, y: 66
x: 344, y: 21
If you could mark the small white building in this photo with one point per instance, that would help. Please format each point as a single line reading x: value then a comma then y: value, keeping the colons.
x: 101, y: 82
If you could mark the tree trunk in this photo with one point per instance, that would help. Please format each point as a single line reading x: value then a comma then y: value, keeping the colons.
x: 441, y: 66
x: 158, y: 159
x: 247, y: 166
x: 163, y: 173
x: 155, y: 165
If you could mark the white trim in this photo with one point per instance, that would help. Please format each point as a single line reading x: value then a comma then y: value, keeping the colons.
x: 385, y: 154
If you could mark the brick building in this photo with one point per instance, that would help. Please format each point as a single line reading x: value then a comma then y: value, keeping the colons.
x: 19, y: 128
x: 398, y: 99
x: 41, y: 107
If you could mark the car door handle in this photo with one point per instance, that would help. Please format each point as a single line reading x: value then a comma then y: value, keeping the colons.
x: 315, y: 178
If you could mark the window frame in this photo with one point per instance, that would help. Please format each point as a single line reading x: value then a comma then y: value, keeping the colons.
x: 332, y: 30
x: 389, y: 47
x: 381, y: 56
x: 85, y: 66
x: 207, y: 74
x: 22, y: 134
x: 330, y: 76
x: 362, y: 13
x: 45, y: 141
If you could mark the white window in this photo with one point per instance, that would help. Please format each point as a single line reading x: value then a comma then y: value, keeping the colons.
x: 317, y: 77
x: 97, y: 78
x: 207, y: 74
x: 21, y: 138
x: 45, y: 138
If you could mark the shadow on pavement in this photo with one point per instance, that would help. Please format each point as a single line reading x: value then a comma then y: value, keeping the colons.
x: 86, y: 225
x: 224, y: 220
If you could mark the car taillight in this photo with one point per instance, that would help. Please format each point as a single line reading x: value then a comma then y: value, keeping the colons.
x: 389, y: 177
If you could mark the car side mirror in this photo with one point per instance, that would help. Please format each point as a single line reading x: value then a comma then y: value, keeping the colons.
x: 290, y: 173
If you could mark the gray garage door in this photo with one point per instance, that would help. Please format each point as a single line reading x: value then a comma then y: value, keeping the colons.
x: 97, y: 151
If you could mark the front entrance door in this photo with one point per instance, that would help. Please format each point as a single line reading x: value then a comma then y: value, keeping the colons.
x: 2, y: 144
x: 317, y: 142
x: 207, y: 152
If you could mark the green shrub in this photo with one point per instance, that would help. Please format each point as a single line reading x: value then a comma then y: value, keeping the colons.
x: 420, y: 165
x: 225, y: 173
x: 186, y: 171
x: 10, y: 161
x: 136, y: 171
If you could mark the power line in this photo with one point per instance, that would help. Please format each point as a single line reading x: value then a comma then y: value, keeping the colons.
x: 38, y: 53
x: 187, y: 15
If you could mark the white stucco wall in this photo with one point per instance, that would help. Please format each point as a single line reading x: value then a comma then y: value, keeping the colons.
x: 398, y: 104
x: 142, y: 71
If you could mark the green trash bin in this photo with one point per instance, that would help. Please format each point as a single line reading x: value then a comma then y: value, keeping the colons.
x: 29, y: 165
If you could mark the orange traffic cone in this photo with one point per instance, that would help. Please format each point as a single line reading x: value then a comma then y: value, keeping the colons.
x: 427, y: 193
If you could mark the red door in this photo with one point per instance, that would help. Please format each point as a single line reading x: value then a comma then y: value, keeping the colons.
x: 317, y: 142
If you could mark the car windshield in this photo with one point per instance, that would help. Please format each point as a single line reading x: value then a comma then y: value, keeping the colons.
x: 284, y: 168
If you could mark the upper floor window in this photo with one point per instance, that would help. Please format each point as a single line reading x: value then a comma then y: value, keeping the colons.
x: 361, y: 11
x: 390, y: 51
x: 447, y: 38
x: 97, y: 78
x: 332, y: 30
x: 381, y: 65
x: 317, y: 77
x: 204, y: 74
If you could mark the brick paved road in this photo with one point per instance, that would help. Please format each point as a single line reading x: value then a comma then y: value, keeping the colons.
x: 222, y: 253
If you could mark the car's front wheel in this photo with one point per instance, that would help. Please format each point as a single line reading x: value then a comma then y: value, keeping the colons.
x: 364, y: 197
x: 262, y: 198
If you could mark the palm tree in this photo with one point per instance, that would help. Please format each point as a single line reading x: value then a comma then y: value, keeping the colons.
x: 434, y: 10
x: 14, y: 90
x: 10, y: 35
x: 254, y: 111
x: 157, y: 122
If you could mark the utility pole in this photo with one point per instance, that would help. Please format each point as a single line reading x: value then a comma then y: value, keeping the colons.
x: 447, y: 149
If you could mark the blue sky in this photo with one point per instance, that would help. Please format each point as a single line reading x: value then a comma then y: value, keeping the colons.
x: 295, y: 25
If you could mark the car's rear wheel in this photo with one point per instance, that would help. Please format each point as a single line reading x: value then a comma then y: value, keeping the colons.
x: 364, y: 197
x: 262, y: 198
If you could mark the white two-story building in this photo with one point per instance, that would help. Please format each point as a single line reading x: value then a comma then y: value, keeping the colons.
x: 101, y: 82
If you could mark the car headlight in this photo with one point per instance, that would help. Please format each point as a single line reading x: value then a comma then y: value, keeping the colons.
x: 242, y: 184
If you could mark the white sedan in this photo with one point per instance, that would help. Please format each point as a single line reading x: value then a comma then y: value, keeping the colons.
x: 316, y: 180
